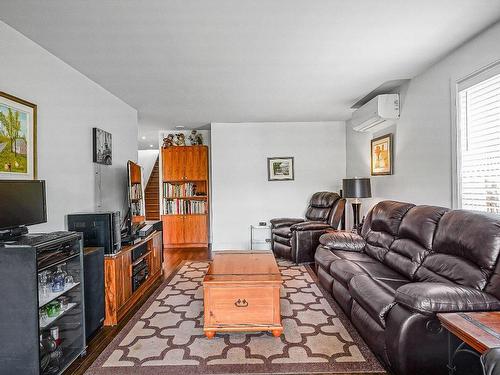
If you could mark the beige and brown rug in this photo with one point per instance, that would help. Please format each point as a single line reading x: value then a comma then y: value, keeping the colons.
x: 166, y: 335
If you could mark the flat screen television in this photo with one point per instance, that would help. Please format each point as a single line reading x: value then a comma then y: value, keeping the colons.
x: 22, y: 203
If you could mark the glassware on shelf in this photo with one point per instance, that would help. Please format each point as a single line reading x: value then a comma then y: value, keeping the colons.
x: 58, y: 280
x: 53, y: 309
x: 69, y: 280
x: 44, y: 286
x: 63, y: 302
x: 43, y: 316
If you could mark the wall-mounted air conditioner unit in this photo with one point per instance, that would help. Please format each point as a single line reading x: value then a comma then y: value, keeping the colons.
x: 378, y: 113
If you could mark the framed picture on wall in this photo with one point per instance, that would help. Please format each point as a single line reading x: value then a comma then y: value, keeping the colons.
x: 381, y: 155
x: 102, y: 147
x: 17, y: 138
x: 280, y: 169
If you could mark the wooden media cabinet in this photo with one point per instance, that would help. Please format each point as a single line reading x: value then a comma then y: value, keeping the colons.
x: 119, y: 294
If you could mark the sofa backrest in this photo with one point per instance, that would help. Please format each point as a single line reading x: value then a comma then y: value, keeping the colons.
x: 381, y: 227
x: 320, y: 205
x: 465, y: 251
x: 337, y: 213
x: 414, y: 240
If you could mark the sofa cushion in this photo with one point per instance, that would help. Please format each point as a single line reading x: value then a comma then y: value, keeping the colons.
x: 282, y: 240
x: 369, y: 329
x: 387, y: 216
x: 414, y: 242
x: 352, y: 255
x: 430, y: 298
x: 465, y: 249
x: 373, y: 296
x: 282, y: 250
x: 420, y: 224
x: 344, y: 270
x: 283, y: 232
x: 284, y: 222
x: 343, y: 240
x: 324, y: 257
x: 382, y: 226
x: 320, y: 205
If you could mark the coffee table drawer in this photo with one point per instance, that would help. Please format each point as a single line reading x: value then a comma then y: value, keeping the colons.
x: 240, y: 305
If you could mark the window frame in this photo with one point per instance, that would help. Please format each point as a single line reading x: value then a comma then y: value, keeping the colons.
x: 458, y: 85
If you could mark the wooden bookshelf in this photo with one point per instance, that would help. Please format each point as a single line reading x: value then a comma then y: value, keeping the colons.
x: 185, y: 214
x: 136, y: 192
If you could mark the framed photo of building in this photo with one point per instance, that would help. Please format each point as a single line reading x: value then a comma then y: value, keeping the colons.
x: 280, y: 169
x: 102, y: 147
x: 381, y: 155
x: 18, y: 156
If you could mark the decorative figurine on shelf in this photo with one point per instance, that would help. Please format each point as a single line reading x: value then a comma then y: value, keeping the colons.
x: 195, y: 139
x: 168, y: 141
x: 181, y: 139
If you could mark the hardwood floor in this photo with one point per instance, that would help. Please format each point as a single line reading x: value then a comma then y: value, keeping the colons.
x: 171, y: 260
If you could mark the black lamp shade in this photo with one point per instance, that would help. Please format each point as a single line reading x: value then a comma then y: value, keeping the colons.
x: 357, y: 188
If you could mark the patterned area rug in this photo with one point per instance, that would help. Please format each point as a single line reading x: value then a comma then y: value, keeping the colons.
x: 166, y: 335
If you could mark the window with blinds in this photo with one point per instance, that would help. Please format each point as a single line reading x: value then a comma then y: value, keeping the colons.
x: 479, y: 145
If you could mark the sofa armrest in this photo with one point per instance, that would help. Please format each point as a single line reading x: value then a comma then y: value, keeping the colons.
x: 490, y: 360
x: 342, y: 240
x: 310, y: 225
x: 430, y: 298
x: 285, y: 222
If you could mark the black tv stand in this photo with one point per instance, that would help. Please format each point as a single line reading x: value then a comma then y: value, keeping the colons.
x: 12, y: 234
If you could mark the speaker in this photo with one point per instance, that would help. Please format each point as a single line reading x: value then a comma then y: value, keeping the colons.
x: 93, y: 273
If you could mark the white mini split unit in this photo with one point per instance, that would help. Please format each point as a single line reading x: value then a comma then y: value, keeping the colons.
x: 378, y: 113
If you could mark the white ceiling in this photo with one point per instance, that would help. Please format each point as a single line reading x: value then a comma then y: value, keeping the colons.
x: 192, y: 62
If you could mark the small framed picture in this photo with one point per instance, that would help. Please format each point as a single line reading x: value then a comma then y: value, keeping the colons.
x: 102, y: 147
x: 280, y: 169
x: 381, y: 155
x: 18, y: 153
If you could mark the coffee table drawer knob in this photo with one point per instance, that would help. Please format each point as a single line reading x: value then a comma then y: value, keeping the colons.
x: 241, y: 303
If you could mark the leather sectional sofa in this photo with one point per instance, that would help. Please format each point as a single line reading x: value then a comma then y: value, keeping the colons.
x: 408, y: 264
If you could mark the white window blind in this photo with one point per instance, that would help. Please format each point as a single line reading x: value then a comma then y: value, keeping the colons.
x: 479, y: 145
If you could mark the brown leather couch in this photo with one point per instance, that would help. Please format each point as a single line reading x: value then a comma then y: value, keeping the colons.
x: 408, y: 264
x: 297, y: 239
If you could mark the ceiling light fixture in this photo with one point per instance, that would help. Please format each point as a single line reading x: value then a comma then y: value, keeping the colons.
x: 143, y: 137
x: 179, y: 127
x: 151, y: 146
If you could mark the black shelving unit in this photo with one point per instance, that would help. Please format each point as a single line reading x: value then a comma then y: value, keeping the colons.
x: 26, y: 345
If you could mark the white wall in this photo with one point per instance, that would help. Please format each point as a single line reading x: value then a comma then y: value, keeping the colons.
x: 69, y: 106
x: 422, y: 136
x: 241, y: 193
x: 147, y: 159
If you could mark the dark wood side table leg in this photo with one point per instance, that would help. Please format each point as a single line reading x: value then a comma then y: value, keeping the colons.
x: 454, y: 349
x: 451, y: 354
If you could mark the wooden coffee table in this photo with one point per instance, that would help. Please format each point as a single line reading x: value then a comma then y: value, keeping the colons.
x: 241, y: 292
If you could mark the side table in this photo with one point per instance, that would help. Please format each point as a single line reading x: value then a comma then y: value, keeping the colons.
x: 479, y: 331
x: 260, y: 237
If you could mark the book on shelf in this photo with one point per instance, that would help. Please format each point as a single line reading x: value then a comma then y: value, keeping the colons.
x: 136, y: 209
x: 136, y: 191
x: 177, y: 206
x: 187, y: 189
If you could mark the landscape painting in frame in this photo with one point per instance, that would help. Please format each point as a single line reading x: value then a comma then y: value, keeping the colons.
x: 280, y: 169
x: 17, y: 138
x: 102, y: 148
x: 381, y: 155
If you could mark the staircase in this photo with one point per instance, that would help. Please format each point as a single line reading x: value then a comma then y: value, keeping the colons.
x: 153, y: 194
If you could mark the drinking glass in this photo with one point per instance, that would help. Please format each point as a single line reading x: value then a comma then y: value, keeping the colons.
x: 68, y: 280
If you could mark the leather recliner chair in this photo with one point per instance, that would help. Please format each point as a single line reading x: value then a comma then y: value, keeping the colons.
x: 408, y: 264
x: 296, y: 239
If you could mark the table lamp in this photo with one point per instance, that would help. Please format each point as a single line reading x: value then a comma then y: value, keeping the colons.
x: 356, y: 188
